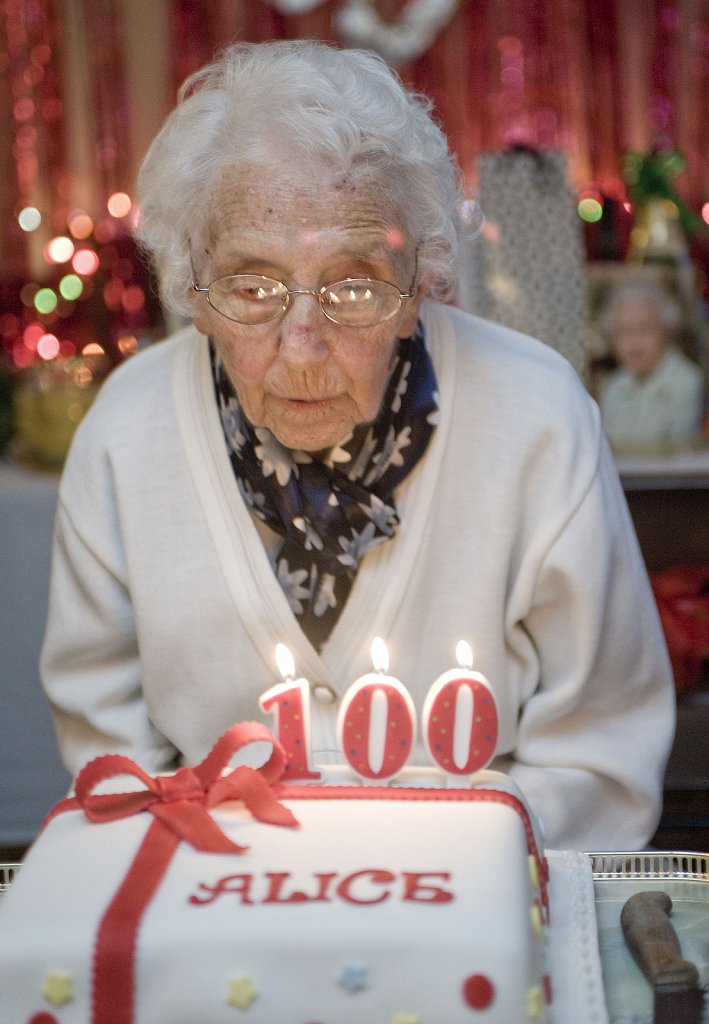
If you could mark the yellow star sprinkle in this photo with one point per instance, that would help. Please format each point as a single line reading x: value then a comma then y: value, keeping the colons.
x: 58, y: 987
x: 405, y: 1018
x: 535, y: 1003
x: 241, y: 992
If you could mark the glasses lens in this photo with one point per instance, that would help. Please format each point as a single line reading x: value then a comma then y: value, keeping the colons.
x: 248, y: 298
x: 360, y: 302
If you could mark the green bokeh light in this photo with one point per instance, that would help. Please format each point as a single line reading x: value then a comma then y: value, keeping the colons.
x: 45, y: 301
x: 71, y: 286
x: 590, y: 210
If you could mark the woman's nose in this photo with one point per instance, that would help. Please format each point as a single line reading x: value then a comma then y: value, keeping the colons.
x: 302, y: 331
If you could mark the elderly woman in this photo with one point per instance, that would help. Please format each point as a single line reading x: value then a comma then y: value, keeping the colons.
x: 327, y: 454
x: 654, y: 400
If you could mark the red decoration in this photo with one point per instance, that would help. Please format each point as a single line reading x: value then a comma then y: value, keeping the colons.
x: 43, y: 1018
x: 439, y: 721
x: 290, y: 703
x: 478, y: 992
x: 179, y: 804
x: 355, y: 726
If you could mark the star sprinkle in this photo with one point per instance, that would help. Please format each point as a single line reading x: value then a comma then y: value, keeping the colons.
x: 241, y: 992
x: 58, y: 987
x: 406, y: 1018
x: 535, y: 1003
x: 353, y: 977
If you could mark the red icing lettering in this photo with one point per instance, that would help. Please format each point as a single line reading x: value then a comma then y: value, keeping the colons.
x: 278, y: 880
x: 416, y: 891
x: 234, y: 885
x: 368, y: 887
x: 376, y: 877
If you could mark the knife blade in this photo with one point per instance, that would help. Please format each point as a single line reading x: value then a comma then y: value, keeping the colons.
x: 652, y: 939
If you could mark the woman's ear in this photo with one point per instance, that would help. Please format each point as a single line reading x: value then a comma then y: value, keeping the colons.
x: 410, y: 312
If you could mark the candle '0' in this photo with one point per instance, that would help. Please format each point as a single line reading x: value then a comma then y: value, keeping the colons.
x: 459, y: 718
x: 377, y: 721
x: 289, y: 703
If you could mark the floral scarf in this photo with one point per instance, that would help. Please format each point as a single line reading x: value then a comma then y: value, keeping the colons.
x: 331, y: 510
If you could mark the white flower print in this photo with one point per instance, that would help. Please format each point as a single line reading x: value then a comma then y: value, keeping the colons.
x: 434, y: 417
x: 390, y: 455
x: 366, y: 451
x: 231, y: 421
x: 401, y: 387
x: 337, y: 455
x: 382, y: 515
x: 325, y: 597
x: 292, y: 585
x: 254, y: 499
x: 355, y: 546
x: 274, y: 458
x: 312, y: 537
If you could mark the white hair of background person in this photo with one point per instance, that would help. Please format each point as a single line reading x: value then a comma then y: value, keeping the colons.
x: 297, y: 101
x: 651, y: 294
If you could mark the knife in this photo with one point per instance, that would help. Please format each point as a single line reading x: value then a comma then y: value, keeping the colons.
x: 652, y: 939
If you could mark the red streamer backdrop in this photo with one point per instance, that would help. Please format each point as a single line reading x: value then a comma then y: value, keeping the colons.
x: 84, y: 84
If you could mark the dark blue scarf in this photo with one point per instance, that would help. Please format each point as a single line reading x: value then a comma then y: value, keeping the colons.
x: 332, y: 509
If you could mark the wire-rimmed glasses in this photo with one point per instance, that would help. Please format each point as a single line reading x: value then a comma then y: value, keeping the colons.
x: 253, y: 299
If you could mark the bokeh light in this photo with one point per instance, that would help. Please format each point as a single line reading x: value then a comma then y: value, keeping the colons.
x: 29, y: 218
x: 705, y: 213
x: 31, y: 335
x: 45, y: 300
x: 80, y: 224
x: 93, y: 349
x: 128, y: 344
x: 590, y: 209
x: 59, y: 249
x: 27, y: 293
x: 71, y: 286
x: 119, y: 204
x: 85, y: 262
x: 48, y: 346
x: 133, y: 298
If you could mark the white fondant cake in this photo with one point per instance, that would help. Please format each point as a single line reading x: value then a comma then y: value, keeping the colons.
x: 383, y: 906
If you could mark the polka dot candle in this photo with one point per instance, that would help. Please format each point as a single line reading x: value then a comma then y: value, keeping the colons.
x: 289, y: 702
x: 459, y: 718
x: 377, y: 721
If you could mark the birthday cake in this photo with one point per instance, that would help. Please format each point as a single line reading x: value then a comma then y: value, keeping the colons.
x: 219, y: 894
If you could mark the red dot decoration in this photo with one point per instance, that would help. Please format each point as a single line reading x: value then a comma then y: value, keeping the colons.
x: 43, y: 1018
x: 478, y: 992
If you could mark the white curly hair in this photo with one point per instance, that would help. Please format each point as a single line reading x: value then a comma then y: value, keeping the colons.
x: 316, y: 103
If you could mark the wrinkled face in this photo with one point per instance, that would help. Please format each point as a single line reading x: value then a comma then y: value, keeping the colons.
x: 308, y: 380
x: 639, y: 338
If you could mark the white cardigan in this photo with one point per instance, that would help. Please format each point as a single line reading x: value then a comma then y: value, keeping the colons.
x: 165, y: 610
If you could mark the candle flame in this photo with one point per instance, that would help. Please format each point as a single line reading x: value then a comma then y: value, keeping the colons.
x: 380, y: 655
x: 284, y: 660
x: 464, y: 654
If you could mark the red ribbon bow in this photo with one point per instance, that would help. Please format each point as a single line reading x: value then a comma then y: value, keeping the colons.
x: 181, y: 801
x: 179, y: 804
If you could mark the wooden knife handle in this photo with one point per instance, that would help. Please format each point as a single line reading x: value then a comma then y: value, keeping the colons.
x: 651, y: 938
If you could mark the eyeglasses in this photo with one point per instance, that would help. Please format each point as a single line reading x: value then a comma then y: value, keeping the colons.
x: 356, y: 302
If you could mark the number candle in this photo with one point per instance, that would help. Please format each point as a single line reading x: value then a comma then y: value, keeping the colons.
x: 459, y: 718
x: 289, y: 703
x: 377, y: 721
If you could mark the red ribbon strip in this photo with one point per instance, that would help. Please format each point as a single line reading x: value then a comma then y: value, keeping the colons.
x: 179, y: 804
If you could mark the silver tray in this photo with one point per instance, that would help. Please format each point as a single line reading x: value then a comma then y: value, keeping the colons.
x: 616, y: 877
x: 7, y: 873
